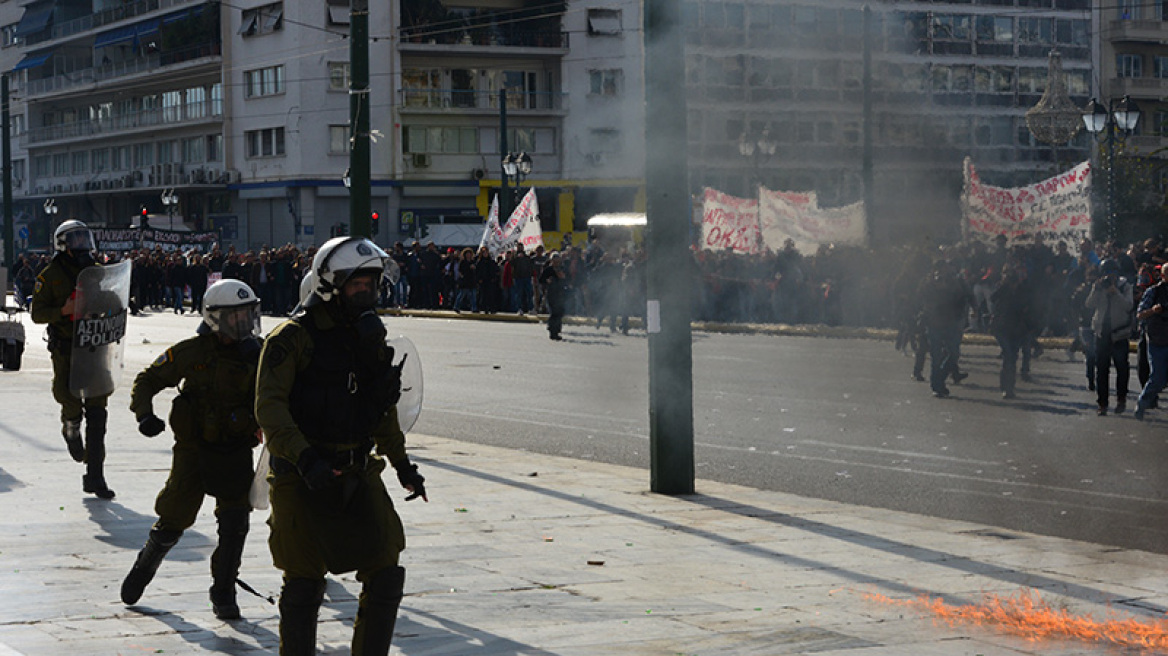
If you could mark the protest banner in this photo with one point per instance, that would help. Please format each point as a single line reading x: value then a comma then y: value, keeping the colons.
x: 798, y: 217
x: 127, y: 239
x: 498, y: 239
x: 730, y: 222
x: 1058, y: 208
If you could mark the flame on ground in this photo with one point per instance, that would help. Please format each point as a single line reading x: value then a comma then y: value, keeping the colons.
x: 1027, y: 615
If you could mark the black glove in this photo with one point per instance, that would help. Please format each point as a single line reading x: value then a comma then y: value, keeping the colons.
x: 408, y: 476
x: 315, y: 470
x: 151, y: 425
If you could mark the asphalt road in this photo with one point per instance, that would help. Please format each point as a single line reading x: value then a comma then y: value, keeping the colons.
x: 837, y: 419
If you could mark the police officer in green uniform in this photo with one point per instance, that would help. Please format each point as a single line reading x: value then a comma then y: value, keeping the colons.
x: 214, y: 433
x: 53, y: 304
x: 325, y: 396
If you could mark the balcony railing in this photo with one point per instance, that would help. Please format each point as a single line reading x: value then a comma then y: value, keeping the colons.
x: 114, y: 70
x: 109, y: 125
x: 103, y: 18
x: 453, y: 99
x: 490, y: 36
x: 1138, y: 30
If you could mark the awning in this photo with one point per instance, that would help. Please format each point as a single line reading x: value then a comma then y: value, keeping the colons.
x: 608, y: 220
x: 125, y: 33
x: 32, y: 61
x: 35, y: 19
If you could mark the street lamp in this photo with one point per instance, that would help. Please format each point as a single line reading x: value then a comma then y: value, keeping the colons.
x: 347, y: 179
x: 757, y: 151
x: 170, y: 201
x: 1108, y: 125
x: 516, y: 166
x: 51, y: 209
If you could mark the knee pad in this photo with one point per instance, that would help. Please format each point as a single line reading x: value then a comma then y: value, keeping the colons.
x: 386, y: 586
x: 302, y: 592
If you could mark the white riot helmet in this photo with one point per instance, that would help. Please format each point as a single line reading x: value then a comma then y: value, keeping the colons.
x: 73, y: 235
x: 337, y: 260
x: 231, y: 309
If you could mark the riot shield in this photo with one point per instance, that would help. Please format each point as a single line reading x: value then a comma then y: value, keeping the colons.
x: 101, y: 307
x: 409, y: 406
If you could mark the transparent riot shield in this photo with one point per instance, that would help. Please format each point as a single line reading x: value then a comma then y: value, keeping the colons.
x: 101, y: 308
x: 409, y: 406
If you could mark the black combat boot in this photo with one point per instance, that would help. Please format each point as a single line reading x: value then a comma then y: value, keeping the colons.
x: 157, y: 545
x: 94, y: 480
x: 233, y: 526
x: 71, y: 431
x: 377, y: 612
x: 299, y: 604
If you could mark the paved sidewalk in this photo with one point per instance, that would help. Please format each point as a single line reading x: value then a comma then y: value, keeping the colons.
x: 523, y: 554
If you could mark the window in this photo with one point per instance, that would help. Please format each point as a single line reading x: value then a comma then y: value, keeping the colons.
x: 41, y: 166
x: 192, y: 150
x: 338, y: 76
x: 1129, y: 66
x: 172, y: 106
x: 1161, y: 66
x: 81, y: 162
x: 1128, y: 9
x: 948, y: 27
x: 1159, y: 124
x: 1034, y: 31
x: 262, y: 20
x: 443, y: 140
x: 339, y: 142
x: 196, y: 102
x: 166, y: 152
x: 214, y: 147
x: 265, y: 143
x: 120, y: 158
x: 9, y: 35
x: 605, y: 82
x: 61, y: 164
x: 143, y: 155
x: 604, y: 22
x: 264, y: 81
x: 338, y: 12
x: 1072, y: 32
x: 422, y: 87
x: 100, y: 160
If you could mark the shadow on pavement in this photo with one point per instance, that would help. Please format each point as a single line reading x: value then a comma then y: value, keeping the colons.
x: 8, y: 482
x: 865, y: 540
x: 215, y: 642
x: 452, y: 638
x: 127, y: 529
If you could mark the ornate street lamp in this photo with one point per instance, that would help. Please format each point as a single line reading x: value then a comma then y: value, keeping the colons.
x: 1108, y: 125
x: 1055, y: 119
x: 516, y: 166
x: 757, y: 151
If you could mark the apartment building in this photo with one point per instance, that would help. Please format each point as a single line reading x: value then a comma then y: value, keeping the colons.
x: 1134, y: 62
x: 948, y: 79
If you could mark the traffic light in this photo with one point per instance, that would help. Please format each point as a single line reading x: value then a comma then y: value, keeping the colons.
x: 375, y: 222
x: 145, y: 216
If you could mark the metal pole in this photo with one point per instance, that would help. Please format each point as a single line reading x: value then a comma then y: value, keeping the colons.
x: 505, y: 198
x: 360, y: 204
x: 670, y: 265
x: 6, y: 144
x: 866, y: 163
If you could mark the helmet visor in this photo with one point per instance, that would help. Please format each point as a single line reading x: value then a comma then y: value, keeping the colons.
x: 79, y: 240
x: 238, y: 323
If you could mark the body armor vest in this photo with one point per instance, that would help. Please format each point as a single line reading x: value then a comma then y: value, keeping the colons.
x: 347, y: 388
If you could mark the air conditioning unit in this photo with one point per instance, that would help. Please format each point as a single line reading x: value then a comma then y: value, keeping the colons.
x: 57, y: 189
x: 478, y: 174
x: 105, y: 184
x: 214, y: 176
x: 137, y: 176
x: 233, y: 176
x: 193, y: 177
x: 42, y: 190
x: 128, y: 181
x: 421, y: 160
x: 76, y: 186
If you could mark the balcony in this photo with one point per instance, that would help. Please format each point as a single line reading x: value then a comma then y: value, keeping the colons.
x: 480, y: 39
x: 108, y: 17
x: 184, y: 116
x: 87, y: 77
x: 1140, y: 88
x: 414, y: 100
x: 1138, y: 31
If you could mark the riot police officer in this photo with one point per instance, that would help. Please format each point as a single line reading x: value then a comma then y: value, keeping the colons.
x: 214, y: 432
x: 53, y: 303
x: 325, y: 396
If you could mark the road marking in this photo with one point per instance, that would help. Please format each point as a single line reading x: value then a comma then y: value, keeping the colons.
x: 908, y: 454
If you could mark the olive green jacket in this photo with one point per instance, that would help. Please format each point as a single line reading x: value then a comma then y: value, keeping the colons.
x: 54, y: 286
x: 216, y: 384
